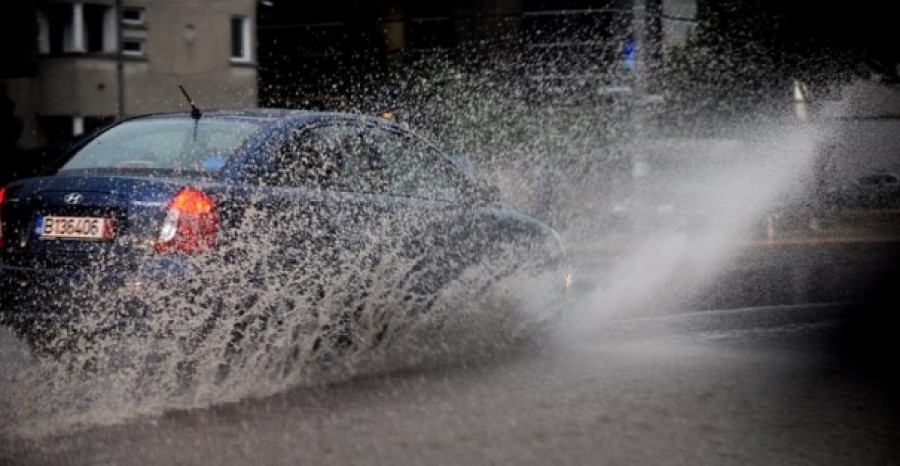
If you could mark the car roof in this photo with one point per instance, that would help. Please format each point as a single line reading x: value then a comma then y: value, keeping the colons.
x: 272, y: 115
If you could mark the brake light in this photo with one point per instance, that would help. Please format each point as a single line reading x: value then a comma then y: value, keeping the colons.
x: 190, y: 225
x: 2, y: 196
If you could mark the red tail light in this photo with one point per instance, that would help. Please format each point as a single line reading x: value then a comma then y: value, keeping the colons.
x: 190, y: 225
x: 2, y: 196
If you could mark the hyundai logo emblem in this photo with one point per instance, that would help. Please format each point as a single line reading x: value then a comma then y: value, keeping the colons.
x: 73, y: 198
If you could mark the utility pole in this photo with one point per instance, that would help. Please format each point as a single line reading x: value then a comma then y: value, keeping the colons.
x: 641, y: 60
x: 120, y: 72
x: 639, y: 33
x: 640, y: 166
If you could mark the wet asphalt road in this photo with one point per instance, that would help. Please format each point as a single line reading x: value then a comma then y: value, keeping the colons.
x: 788, y: 385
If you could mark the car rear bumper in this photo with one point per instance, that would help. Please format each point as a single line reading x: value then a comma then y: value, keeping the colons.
x: 36, y: 298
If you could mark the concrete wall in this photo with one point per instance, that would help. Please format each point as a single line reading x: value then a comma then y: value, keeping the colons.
x: 202, y: 64
x: 187, y: 43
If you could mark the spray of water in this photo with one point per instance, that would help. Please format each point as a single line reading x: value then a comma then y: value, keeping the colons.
x: 253, y: 330
x: 254, y: 326
x: 711, y: 205
x: 251, y: 334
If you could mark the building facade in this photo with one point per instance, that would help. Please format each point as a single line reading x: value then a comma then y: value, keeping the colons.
x: 97, y: 62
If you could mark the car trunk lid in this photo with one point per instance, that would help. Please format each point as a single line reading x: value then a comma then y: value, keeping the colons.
x: 130, y: 209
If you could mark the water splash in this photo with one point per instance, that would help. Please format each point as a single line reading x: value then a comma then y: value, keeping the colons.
x: 253, y: 329
x: 692, y: 237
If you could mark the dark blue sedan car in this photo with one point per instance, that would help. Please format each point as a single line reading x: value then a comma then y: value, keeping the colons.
x: 200, y: 204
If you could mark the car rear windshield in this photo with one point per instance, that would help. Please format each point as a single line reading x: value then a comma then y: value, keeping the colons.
x: 165, y: 145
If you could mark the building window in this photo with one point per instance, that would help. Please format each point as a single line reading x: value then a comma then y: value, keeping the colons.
x: 76, y: 28
x: 63, y: 128
x: 56, y: 128
x: 99, y: 29
x: 133, y: 47
x: 240, y: 39
x: 133, y: 16
x: 93, y: 123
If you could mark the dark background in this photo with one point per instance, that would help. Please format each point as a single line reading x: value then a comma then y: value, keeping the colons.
x: 333, y: 55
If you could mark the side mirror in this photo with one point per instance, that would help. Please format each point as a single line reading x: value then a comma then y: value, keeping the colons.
x: 481, y: 193
x: 490, y: 193
x: 462, y: 162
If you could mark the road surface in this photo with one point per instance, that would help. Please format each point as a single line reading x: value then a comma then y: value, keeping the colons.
x: 776, y: 385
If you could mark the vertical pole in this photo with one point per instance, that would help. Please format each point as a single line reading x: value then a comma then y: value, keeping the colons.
x: 78, y: 42
x: 77, y: 125
x: 43, y: 33
x: 639, y: 164
x: 639, y: 31
x: 120, y: 73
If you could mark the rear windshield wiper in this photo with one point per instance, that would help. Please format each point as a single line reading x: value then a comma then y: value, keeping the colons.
x: 195, y: 112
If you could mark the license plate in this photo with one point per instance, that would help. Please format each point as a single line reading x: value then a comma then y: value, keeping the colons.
x: 74, y: 227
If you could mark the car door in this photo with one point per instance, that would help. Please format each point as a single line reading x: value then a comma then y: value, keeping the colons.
x: 430, y: 232
x: 302, y: 233
x: 444, y: 226
x: 305, y: 218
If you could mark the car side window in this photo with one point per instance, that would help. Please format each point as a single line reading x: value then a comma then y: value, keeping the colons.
x: 331, y: 157
x: 310, y: 158
x: 415, y: 168
x: 363, y: 159
x: 365, y: 168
